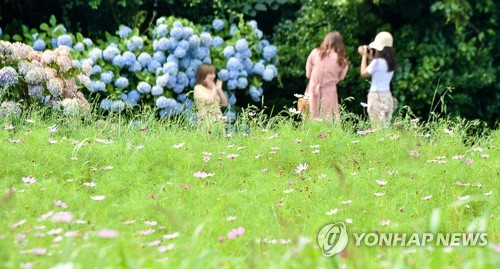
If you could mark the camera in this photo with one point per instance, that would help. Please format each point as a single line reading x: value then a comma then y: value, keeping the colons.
x: 370, y: 51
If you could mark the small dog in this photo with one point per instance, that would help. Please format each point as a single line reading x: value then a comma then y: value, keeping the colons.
x: 303, y: 105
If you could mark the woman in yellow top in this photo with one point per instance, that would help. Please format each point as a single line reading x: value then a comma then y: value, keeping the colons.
x: 208, y: 96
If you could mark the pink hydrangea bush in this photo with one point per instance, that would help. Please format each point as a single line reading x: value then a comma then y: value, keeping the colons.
x: 40, y: 77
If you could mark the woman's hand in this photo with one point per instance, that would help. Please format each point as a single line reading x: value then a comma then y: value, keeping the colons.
x: 363, y: 50
x: 209, y: 82
x: 218, y: 85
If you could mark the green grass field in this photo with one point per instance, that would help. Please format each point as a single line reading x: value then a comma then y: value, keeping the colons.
x: 117, y: 193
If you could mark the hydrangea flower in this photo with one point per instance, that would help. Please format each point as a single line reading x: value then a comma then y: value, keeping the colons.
x: 39, y: 45
x: 107, y: 77
x: 181, y: 97
x: 259, y: 68
x: 172, y: 80
x: 170, y: 68
x: 258, y: 33
x: 232, y: 100
x: 176, y: 32
x: 245, y: 54
x: 268, y: 74
x: 71, y: 107
x: 182, y: 79
x: 8, y: 76
x: 96, y: 69
x: 135, y: 43
x: 253, y: 24
x: 36, y: 91
x: 273, y: 68
x: 241, y: 45
x: 106, y: 104
x: 77, y: 47
x: 133, y: 97
x: 88, y: 42
x: 233, y: 74
x: 153, y: 65
x: 242, y: 83
x: 117, y: 106
x: 10, y: 108
x: 110, y: 52
x: 187, y: 32
x: 248, y: 66
x: 255, y: 93
x: 217, y: 41
x: 36, y: 76
x: 143, y: 87
x: 194, y: 42
x: 95, y: 53
x: 136, y: 67
x: 171, y: 111
x: 269, y: 52
x: 156, y: 90
x: 118, y: 61
x: 162, y: 30
x: 228, y: 51
x: 218, y: 24
x: 144, y: 59
x: 55, y: 86
x: 124, y: 31
x: 64, y: 40
x: 202, y: 52
x: 233, y: 64
x: 178, y: 24
x: 159, y: 56
x: 121, y: 83
x: 206, y: 38
x: 233, y: 29
x: 232, y: 84
x: 97, y: 86
x: 164, y: 102
x: 223, y: 74
x: 128, y: 58
x: 162, y: 80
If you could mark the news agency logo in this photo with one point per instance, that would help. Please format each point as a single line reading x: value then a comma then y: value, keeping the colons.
x: 332, y: 238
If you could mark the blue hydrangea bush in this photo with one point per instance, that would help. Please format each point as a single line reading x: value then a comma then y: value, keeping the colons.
x: 158, y: 68
x: 29, y: 77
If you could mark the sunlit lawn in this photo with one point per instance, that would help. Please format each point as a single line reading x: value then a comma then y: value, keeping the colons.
x: 146, y: 194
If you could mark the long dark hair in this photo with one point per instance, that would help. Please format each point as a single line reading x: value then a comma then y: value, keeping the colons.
x: 390, y: 57
x: 333, y: 41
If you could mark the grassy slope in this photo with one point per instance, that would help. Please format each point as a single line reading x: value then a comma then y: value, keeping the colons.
x: 242, y: 189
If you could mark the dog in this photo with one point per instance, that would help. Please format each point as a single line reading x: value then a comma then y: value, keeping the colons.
x: 303, y: 105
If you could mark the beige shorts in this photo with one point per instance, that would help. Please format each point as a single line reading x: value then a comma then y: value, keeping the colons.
x: 380, y: 106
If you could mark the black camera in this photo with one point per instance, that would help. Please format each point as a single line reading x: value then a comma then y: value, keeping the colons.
x: 370, y: 51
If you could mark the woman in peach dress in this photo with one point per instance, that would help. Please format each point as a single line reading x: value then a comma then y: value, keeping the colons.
x: 325, y: 67
x: 209, y: 97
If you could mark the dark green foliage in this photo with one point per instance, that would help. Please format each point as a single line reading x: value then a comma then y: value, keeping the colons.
x: 440, y: 45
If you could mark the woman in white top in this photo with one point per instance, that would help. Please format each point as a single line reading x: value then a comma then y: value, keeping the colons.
x: 208, y: 96
x: 381, y: 69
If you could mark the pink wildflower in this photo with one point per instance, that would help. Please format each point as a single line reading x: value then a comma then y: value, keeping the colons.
x: 300, y: 168
x: 104, y: 233
x: 236, y: 232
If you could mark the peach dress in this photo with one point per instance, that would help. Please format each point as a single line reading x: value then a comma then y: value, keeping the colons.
x: 209, y: 111
x: 324, y: 74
